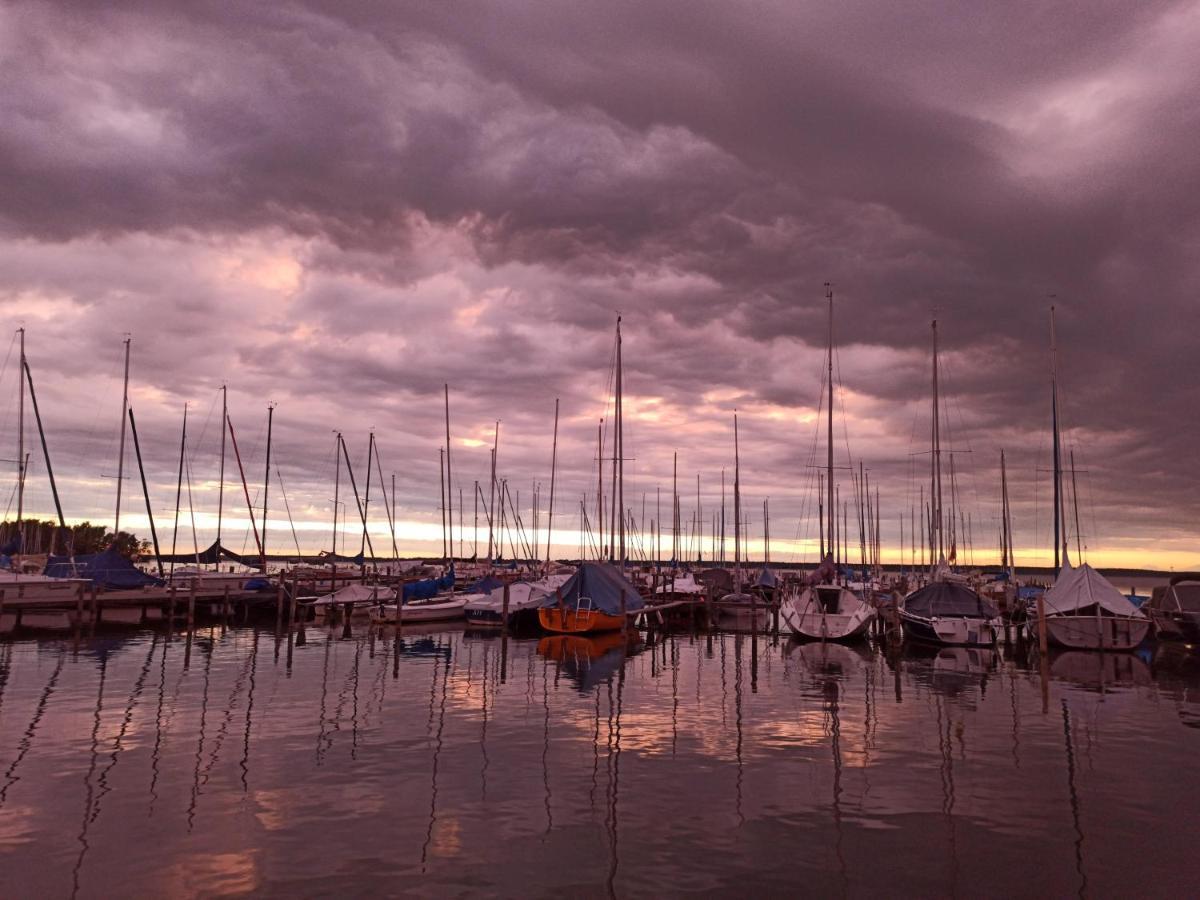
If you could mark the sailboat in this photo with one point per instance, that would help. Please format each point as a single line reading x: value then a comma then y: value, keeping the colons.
x: 824, y: 610
x: 740, y: 611
x: 946, y: 611
x: 1083, y: 611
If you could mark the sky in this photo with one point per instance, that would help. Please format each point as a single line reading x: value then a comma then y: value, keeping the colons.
x: 340, y: 208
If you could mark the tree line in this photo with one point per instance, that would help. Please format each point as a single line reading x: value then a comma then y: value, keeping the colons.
x: 45, y: 536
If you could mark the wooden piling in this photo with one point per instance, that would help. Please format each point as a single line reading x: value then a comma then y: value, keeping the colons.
x: 191, y: 609
x: 1041, y: 614
x: 347, y: 612
x: 504, y: 637
x: 279, y: 606
x: 95, y: 607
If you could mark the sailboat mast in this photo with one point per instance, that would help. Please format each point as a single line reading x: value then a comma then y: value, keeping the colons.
x: 449, y: 483
x: 442, y: 495
x: 1075, y: 500
x: 367, y: 490
x: 675, y: 509
x: 121, y: 451
x: 936, y: 480
x: 337, y: 484
x: 553, y: 473
x: 737, y: 509
x: 620, y: 445
x: 179, y: 486
x: 491, y: 511
x: 21, y: 447
x: 221, y: 488
x: 266, y: 485
x: 1005, y: 538
x: 600, y: 488
x: 829, y: 435
x: 1058, y: 543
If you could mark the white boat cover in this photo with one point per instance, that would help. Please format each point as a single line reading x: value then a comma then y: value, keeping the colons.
x: 358, y: 594
x: 1082, y: 587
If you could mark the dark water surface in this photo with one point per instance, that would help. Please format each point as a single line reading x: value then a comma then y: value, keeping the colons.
x: 129, y: 765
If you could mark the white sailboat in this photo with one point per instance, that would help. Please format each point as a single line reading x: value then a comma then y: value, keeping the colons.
x: 1083, y: 611
x: 739, y: 611
x: 824, y: 610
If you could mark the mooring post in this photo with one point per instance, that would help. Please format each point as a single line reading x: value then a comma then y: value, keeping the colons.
x: 79, y: 606
x: 346, y: 613
x: 95, y: 608
x: 191, y: 609
x: 279, y: 607
x: 504, y: 637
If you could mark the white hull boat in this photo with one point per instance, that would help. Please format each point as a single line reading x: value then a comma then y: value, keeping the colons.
x: 827, y: 612
x: 439, y: 609
x: 736, y: 612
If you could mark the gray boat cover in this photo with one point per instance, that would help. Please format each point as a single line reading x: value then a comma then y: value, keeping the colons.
x: 1082, y: 587
x: 947, y: 599
x: 602, y: 584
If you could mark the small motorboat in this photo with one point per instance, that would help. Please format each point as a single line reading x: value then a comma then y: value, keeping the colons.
x: 524, y: 599
x: 1175, y: 608
x: 742, y: 612
x: 359, y: 597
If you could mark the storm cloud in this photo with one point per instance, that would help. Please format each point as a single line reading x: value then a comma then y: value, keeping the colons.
x: 340, y: 207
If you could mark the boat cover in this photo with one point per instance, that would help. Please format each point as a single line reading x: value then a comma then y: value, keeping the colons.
x: 357, y: 593
x: 1083, y: 587
x: 767, y: 579
x: 945, y: 598
x: 602, y: 584
x: 108, y: 569
x: 214, y: 554
x: 486, y: 585
x: 429, y: 587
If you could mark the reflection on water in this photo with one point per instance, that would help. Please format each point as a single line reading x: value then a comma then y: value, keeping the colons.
x: 237, y: 761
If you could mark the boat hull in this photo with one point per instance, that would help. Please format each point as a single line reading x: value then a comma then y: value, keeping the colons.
x: 950, y: 631
x: 1096, y: 632
x: 816, y: 626
x: 575, y: 621
x: 420, y: 612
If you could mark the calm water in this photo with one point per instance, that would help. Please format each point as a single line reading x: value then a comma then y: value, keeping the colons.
x: 131, y: 764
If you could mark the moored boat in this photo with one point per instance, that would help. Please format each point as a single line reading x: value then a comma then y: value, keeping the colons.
x: 1175, y: 608
x: 596, y: 598
x: 827, y: 612
x: 1084, y: 611
x: 947, y: 612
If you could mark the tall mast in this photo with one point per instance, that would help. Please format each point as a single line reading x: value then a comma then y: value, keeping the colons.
x: 935, y: 487
x: 829, y: 435
x: 620, y: 445
x: 179, y: 486
x: 492, y: 496
x: 737, y: 510
x: 553, y: 472
x: 722, y: 514
x: 337, y: 484
x: 1075, y: 500
x: 221, y: 489
x: 121, y: 452
x: 449, y: 482
x: 442, y: 495
x: 1005, y: 537
x: 266, y: 485
x: 367, y: 490
x: 1058, y: 543
x: 21, y: 450
x: 675, y: 509
x: 600, y: 488
x: 699, y: 522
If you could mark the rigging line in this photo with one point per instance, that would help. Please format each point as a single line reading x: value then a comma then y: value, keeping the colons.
x: 287, y: 506
x: 204, y: 428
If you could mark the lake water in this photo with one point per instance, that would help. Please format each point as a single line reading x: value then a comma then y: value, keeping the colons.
x: 130, y: 764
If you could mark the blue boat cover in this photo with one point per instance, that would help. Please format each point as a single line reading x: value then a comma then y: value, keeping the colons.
x: 602, y: 585
x: 486, y: 585
x: 945, y: 598
x: 767, y: 579
x: 429, y: 587
x: 108, y: 569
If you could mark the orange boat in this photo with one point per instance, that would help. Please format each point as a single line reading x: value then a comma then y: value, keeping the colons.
x: 596, y: 598
x: 571, y: 620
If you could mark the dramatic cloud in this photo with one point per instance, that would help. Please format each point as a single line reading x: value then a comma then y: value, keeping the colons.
x: 340, y: 207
